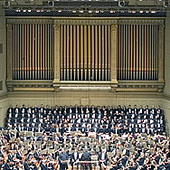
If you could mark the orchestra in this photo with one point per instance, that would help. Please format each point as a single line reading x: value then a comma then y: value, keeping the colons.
x: 67, y: 137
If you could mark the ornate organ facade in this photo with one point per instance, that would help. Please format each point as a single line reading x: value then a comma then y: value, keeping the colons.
x: 56, y: 53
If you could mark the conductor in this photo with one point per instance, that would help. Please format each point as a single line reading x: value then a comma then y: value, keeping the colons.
x: 63, y: 159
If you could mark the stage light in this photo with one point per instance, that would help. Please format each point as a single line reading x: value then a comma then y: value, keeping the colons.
x: 147, y: 12
x: 50, y: 3
x: 81, y: 11
x: 102, y: 11
x: 166, y: 4
x: 133, y: 12
x: 97, y: 12
x: 153, y: 12
x: 6, y: 4
x: 29, y: 10
x: 121, y: 3
x: 37, y: 10
x: 111, y: 12
x: 90, y: 12
x: 24, y: 10
x: 141, y: 12
x: 74, y: 11
x: 59, y: 11
x: 18, y: 10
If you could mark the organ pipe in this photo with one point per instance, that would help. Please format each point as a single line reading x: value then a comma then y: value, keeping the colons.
x: 32, y: 52
x: 138, y: 52
x: 91, y: 52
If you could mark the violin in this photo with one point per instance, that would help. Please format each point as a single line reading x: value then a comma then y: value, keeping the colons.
x: 53, y: 162
x: 22, y: 157
x: 5, y: 156
x: 35, y: 162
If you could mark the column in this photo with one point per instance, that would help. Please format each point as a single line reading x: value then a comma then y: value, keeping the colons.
x: 9, y: 52
x: 56, y: 53
x: 161, y: 53
x: 114, y: 43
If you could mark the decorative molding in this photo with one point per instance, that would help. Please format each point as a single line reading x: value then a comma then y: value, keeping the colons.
x: 114, y: 47
x: 29, y: 21
x: 120, y: 86
x: 56, y: 52
x: 9, y: 51
x: 155, y: 21
x: 114, y: 27
x: 152, y: 86
x: 9, y: 26
x: 56, y: 27
x: 85, y: 21
x: 25, y: 85
x: 161, y: 53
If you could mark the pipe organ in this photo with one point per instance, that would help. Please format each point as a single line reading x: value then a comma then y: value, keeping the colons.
x: 95, y: 51
x: 138, y: 52
x: 85, y: 52
x: 32, y: 52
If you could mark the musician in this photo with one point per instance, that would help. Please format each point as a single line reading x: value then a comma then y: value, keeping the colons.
x: 6, y: 166
x: 36, y: 155
x: 18, y: 155
x: 86, y: 157
x: 74, y: 158
x: 33, y: 146
x: 43, y: 166
x: 116, y: 166
x: 63, y: 158
x: 124, y: 160
x: 9, y: 136
x: 141, y: 159
x: 157, y: 157
x: 84, y: 129
x: 10, y: 157
x: 86, y: 146
x: 167, y: 164
x: 103, y: 159
x: 50, y: 163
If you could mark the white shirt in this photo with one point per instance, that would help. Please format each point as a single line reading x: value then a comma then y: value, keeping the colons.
x: 75, y: 155
x: 103, y: 156
x: 124, y: 151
